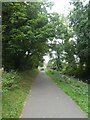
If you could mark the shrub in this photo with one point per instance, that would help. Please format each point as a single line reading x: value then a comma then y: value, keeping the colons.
x: 9, y: 79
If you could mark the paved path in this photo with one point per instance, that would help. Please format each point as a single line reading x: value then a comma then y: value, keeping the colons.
x: 46, y: 100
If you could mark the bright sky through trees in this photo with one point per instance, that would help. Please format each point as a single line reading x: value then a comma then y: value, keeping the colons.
x: 61, y: 7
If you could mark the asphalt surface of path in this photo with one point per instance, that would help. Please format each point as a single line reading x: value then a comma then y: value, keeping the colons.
x: 46, y: 100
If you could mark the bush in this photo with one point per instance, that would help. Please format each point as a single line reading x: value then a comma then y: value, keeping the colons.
x: 9, y: 79
x: 52, y: 72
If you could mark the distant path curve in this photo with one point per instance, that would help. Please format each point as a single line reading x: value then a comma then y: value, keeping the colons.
x: 46, y: 100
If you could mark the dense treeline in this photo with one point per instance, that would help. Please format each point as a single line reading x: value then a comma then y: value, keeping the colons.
x: 27, y: 27
x: 30, y: 31
x: 25, y: 33
x: 81, y: 24
x: 73, y: 53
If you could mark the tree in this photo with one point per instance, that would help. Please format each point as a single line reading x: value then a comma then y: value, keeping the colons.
x: 25, y: 34
x: 80, y: 23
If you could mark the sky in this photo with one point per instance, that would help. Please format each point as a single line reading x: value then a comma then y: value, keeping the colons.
x: 61, y: 6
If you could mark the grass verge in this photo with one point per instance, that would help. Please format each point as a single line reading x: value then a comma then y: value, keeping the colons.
x: 13, y: 97
x: 76, y: 89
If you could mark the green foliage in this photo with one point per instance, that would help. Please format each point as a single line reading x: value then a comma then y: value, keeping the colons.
x: 13, y: 99
x: 75, y: 88
x: 72, y: 52
x: 79, y: 19
x: 25, y: 30
x: 10, y: 80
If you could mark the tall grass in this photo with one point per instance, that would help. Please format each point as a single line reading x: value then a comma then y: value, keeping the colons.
x: 75, y: 88
x: 16, y: 87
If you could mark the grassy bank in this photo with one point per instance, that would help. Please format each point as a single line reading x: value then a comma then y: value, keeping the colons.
x: 16, y: 87
x: 76, y: 89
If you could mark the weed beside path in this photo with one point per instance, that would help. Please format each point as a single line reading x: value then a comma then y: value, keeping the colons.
x: 76, y: 89
x: 15, y: 92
